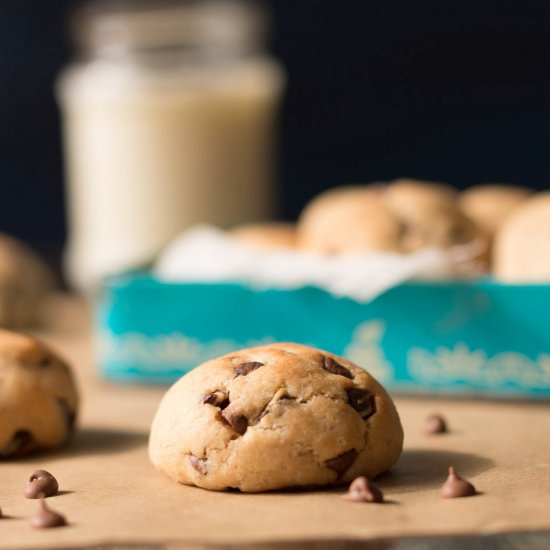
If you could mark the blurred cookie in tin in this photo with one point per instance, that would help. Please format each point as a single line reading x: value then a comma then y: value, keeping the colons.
x: 402, y: 216
x: 489, y: 205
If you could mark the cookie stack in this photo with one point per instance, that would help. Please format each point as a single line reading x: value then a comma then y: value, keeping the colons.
x: 507, y: 226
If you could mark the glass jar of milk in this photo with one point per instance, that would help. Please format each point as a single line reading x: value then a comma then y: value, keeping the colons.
x: 169, y: 115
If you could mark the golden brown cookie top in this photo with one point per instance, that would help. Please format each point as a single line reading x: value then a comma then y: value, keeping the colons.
x: 349, y: 219
x: 488, y: 205
x: 23, y: 350
x: 250, y: 381
x: 407, y: 195
x: 402, y: 216
x: 318, y: 417
x: 267, y: 235
x: 522, y: 247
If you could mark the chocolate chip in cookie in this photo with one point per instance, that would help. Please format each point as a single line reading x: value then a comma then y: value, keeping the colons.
x: 362, y: 401
x: 238, y: 422
x: 218, y: 398
x: 21, y: 441
x: 457, y: 487
x: 342, y: 462
x: 46, y: 361
x: 245, y: 368
x: 198, y: 463
x: 330, y: 365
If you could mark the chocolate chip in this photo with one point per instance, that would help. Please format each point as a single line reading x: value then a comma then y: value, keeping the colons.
x: 434, y: 424
x: 237, y: 421
x: 21, y: 441
x: 245, y: 368
x: 23, y: 438
x: 69, y: 416
x: 456, y: 487
x: 198, y: 463
x: 363, y: 490
x: 217, y: 399
x: 330, y: 365
x: 46, y: 361
x: 342, y: 462
x: 41, y: 483
x: 280, y: 395
x: 362, y: 401
x: 46, y: 518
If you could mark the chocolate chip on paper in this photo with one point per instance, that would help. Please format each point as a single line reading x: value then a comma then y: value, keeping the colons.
x: 46, y: 518
x: 361, y: 489
x: 457, y: 487
x: 434, y: 424
x: 41, y: 483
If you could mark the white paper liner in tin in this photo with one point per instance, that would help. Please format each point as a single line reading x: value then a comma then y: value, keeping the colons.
x: 207, y: 254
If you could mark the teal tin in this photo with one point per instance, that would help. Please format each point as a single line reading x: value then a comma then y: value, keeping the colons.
x: 474, y: 337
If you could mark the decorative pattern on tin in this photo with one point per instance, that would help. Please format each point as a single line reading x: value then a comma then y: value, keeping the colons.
x: 449, y: 366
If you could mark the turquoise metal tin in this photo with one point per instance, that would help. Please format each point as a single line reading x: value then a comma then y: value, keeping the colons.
x: 477, y: 337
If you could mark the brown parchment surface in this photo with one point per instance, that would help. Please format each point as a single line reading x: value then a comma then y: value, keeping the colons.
x: 111, y: 494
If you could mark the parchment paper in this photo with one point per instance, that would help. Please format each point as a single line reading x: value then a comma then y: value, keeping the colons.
x: 208, y: 254
x: 111, y: 494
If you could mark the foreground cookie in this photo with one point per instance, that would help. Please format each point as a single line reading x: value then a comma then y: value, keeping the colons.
x: 38, y: 399
x: 281, y: 415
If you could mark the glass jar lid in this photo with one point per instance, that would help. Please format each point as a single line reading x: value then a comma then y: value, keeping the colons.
x: 144, y: 30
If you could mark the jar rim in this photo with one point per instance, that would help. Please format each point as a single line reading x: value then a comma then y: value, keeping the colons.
x: 118, y: 29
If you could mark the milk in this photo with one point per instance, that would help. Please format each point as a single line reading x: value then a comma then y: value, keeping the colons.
x: 151, y: 150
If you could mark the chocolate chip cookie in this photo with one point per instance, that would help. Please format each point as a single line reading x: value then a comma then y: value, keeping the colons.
x: 402, y: 216
x: 281, y: 415
x: 522, y: 244
x: 489, y: 205
x: 25, y: 280
x: 38, y: 399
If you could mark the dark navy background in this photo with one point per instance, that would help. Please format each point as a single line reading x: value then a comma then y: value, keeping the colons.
x: 457, y: 91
